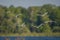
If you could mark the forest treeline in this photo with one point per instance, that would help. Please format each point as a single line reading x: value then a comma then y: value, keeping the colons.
x: 39, y: 19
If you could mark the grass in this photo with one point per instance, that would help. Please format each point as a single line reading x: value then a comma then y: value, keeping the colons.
x: 31, y: 34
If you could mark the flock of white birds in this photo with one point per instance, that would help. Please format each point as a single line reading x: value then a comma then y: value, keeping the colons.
x: 23, y: 24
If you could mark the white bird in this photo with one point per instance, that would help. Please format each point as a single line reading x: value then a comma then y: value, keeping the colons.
x: 42, y: 24
x: 23, y: 25
x: 49, y: 21
x: 33, y: 26
x: 44, y: 14
x: 18, y: 15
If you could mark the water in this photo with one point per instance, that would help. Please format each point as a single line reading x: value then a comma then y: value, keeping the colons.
x: 29, y: 38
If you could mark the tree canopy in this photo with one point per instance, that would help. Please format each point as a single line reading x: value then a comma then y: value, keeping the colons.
x: 38, y: 19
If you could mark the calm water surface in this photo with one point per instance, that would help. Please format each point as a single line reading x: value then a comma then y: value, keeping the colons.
x: 28, y: 38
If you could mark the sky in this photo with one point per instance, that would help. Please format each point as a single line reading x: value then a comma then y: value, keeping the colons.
x: 27, y: 3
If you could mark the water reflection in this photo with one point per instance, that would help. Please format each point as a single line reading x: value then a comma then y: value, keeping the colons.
x: 18, y: 38
x: 15, y: 38
x: 6, y: 38
x: 29, y: 38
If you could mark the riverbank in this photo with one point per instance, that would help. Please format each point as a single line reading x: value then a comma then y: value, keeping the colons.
x: 31, y: 34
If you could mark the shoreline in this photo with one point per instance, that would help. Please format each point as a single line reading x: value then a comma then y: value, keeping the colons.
x: 31, y: 34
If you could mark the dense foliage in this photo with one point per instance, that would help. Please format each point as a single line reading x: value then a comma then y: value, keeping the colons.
x: 38, y: 19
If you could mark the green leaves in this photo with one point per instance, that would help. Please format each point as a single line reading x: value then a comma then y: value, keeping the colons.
x: 12, y: 18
